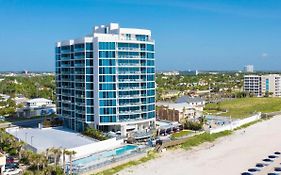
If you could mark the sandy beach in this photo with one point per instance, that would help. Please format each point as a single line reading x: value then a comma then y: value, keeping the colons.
x: 230, y: 155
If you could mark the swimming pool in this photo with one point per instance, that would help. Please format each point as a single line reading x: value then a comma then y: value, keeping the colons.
x: 89, y: 160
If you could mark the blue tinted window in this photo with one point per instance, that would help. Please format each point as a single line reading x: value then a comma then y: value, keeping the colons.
x: 150, y: 77
x: 89, y: 46
x: 150, y: 70
x: 150, y: 62
x: 106, y: 54
x: 106, y: 62
x: 107, y: 70
x: 107, y: 102
x: 107, y: 87
x: 150, y: 55
x: 151, y: 114
x: 150, y: 92
x: 89, y: 70
x: 142, y: 37
x: 107, y: 111
x: 150, y: 85
x: 107, y: 78
x: 106, y: 46
x: 151, y: 100
x: 150, y: 47
x: 89, y: 54
x: 107, y: 119
x: 107, y: 94
x: 90, y: 102
x: 57, y: 50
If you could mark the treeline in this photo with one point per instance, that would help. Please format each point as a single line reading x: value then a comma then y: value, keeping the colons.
x: 30, y: 87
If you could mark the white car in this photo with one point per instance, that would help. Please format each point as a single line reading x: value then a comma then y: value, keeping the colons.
x: 12, y: 172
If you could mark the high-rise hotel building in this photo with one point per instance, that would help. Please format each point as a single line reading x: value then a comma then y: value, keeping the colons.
x: 107, y: 80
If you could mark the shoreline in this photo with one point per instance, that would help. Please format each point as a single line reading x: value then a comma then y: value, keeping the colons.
x: 233, y: 154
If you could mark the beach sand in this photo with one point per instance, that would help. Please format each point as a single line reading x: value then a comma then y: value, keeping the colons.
x: 229, y: 155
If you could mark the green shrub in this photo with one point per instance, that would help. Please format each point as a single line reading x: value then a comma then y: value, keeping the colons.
x: 94, y: 133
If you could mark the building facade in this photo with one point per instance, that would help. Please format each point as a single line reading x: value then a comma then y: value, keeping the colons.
x: 263, y: 85
x: 252, y: 84
x: 271, y: 85
x: 107, y: 80
x: 177, y: 112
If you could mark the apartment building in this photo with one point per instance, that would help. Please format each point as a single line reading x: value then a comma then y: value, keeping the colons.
x: 107, y: 80
x: 271, y: 85
x: 263, y: 85
x: 252, y: 84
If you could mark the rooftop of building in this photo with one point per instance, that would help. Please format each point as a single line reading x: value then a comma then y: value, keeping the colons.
x: 112, y: 29
x: 176, y: 106
x: 51, y: 137
x: 39, y: 100
x: 189, y: 99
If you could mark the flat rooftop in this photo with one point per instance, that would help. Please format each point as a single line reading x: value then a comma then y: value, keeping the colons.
x: 41, y: 139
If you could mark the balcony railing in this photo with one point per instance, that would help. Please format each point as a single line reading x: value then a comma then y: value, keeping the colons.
x: 129, y: 88
x: 128, y: 49
x: 129, y: 112
x: 131, y: 80
x: 129, y: 96
x: 129, y: 72
x: 129, y: 104
x: 129, y: 64
x: 129, y: 56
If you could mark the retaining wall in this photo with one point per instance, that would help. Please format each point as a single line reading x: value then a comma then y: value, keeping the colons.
x: 236, y: 124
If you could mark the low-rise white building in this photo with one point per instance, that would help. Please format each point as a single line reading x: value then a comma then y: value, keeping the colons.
x: 38, y: 102
x: 37, y: 107
x: 197, y: 103
x: 2, y: 162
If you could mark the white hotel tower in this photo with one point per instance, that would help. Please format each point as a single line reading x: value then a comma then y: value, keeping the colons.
x: 107, y: 80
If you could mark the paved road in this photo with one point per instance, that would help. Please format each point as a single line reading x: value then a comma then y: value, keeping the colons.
x: 32, y: 123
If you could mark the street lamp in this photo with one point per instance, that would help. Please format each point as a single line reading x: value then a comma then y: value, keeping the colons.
x: 31, y: 140
x: 25, y: 137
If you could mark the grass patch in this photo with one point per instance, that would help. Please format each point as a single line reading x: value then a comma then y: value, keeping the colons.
x: 180, y: 134
x: 205, y: 137
x: 150, y: 155
x: 245, y: 107
x: 248, y: 124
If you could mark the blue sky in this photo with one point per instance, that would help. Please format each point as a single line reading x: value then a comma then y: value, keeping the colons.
x: 189, y: 34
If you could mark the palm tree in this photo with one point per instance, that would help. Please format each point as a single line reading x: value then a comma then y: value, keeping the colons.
x: 63, y: 160
x: 57, y: 153
x: 18, y: 146
x: 70, y: 153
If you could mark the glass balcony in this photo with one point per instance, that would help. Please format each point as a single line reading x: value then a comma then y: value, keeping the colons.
x: 66, y: 93
x: 129, y: 112
x: 128, y: 56
x: 80, y: 87
x: 128, y: 49
x: 129, y: 96
x: 129, y: 65
x: 79, y: 96
x: 129, y: 88
x: 131, y: 80
x: 129, y: 72
x: 130, y: 104
x: 79, y: 65
x: 79, y: 104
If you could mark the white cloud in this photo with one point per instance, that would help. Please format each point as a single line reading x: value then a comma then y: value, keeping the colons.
x: 264, y: 55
